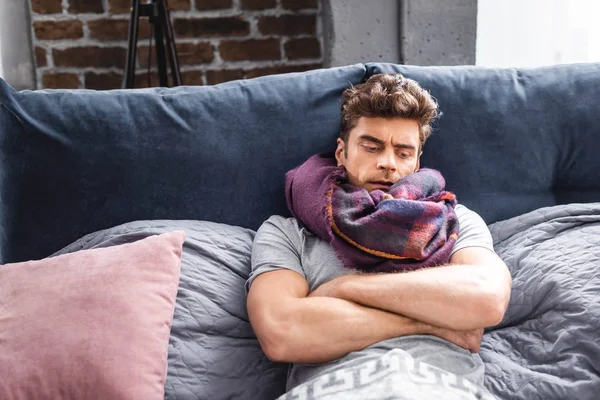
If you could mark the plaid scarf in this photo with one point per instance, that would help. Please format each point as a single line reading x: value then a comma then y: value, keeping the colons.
x: 414, y: 228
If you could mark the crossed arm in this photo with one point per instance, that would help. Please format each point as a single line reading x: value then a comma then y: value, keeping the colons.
x: 352, y: 312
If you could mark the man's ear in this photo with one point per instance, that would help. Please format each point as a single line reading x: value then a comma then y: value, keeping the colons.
x: 339, y: 152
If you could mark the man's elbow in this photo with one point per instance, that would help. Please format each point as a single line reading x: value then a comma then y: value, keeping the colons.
x: 495, y: 290
x: 497, y: 302
x: 495, y: 315
x: 274, y: 336
x: 274, y: 346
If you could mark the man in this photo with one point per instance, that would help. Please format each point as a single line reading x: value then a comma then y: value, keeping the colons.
x: 309, y: 309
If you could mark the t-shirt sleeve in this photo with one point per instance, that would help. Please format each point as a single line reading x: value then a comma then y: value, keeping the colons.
x: 277, y: 245
x: 473, y: 232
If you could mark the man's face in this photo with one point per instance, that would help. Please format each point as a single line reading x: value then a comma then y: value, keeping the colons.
x: 379, y: 152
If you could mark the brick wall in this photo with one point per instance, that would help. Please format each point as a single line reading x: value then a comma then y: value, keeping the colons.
x: 83, y: 43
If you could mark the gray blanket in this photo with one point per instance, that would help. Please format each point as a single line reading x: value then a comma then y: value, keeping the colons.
x: 547, y: 347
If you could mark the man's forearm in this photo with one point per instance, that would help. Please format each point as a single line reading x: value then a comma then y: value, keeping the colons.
x: 318, y: 330
x: 452, y: 296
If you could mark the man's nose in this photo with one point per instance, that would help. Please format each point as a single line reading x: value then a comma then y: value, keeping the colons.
x: 387, y: 161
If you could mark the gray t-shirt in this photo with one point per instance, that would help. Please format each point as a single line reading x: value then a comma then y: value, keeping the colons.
x: 284, y: 243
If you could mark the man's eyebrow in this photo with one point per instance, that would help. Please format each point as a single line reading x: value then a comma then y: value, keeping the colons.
x: 381, y: 142
x: 405, y: 146
x: 371, y: 139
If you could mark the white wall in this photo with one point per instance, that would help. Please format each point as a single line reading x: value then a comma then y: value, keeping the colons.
x: 530, y: 33
x: 1, y: 71
x: 16, y: 58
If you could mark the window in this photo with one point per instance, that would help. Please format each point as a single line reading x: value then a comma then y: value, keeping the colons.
x: 531, y: 33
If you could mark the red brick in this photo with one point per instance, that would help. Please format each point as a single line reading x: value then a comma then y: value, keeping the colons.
x: 211, y: 27
x: 141, y: 80
x: 302, y: 48
x: 180, y: 4
x: 85, y: 6
x: 298, y: 4
x: 195, y: 53
x: 60, y: 81
x: 192, y: 78
x: 219, y: 76
x: 144, y: 29
x: 124, y: 6
x: 90, y: 56
x: 46, y: 6
x: 258, y: 4
x: 213, y: 4
x: 104, y: 81
x: 280, y: 69
x: 253, y: 49
x: 117, y: 29
x: 56, y: 30
x: 288, y: 25
x: 40, y: 57
x: 119, y: 6
x: 187, y: 53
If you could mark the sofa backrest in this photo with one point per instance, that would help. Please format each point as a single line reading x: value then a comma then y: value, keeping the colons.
x: 77, y: 161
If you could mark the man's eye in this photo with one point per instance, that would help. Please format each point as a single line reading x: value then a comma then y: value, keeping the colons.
x: 404, y: 155
x: 371, y: 148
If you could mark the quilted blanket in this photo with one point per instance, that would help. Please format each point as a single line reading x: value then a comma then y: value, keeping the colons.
x: 548, y: 345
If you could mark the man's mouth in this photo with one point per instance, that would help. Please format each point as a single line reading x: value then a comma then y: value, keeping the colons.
x: 381, y: 185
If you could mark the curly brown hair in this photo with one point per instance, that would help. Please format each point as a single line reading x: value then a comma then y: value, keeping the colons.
x: 388, y: 96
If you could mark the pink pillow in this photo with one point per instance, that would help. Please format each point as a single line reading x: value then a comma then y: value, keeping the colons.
x: 93, y: 324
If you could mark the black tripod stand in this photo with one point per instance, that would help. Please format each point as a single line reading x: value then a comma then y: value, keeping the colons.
x: 158, y: 13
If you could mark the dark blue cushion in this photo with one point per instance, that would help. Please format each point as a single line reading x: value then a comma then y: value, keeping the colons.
x: 74, y: 162
x: 510, y: 141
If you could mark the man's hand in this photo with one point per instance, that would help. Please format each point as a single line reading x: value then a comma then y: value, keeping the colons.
x: 470, y: 340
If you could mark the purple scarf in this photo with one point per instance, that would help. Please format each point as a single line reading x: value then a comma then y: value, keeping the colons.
x: 415, y: 229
